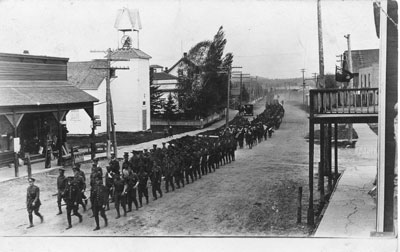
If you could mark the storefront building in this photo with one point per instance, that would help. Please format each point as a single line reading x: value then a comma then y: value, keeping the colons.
x: 35, y: 97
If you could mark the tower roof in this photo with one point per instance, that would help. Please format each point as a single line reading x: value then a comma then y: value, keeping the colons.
x: 130, y: 53
x: 128, y: 20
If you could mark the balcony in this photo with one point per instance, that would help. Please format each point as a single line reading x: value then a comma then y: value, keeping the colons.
x: 358, y: 105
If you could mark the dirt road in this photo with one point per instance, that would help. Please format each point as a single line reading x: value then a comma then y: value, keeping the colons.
x: 256, y: 195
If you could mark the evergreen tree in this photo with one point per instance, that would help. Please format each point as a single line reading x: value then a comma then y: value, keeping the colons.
x: 155, y: 95
x: 170, y: 108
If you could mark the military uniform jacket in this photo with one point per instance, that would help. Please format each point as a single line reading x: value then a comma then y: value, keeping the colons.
x: 71, y: 194
x: 156, y: 177
x: 143, y: 178
x: 32, y: 195
x: 119, y: 186
x: 109, y: 179
x: 131, y: 180
x: 114, y: 165
x: 99, y: 195
x: 61, y: 183
x: 78, y: 180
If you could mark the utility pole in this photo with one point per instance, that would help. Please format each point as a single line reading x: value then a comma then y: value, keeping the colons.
x: 227, y: 70
x: 108, y: 102
x: 350, y: 66
x: 110, y: 126
x: 310, y: 212
x: 227, y: 97
x: 241, y: 82
x: 320, y: 46
x: 304, y: 84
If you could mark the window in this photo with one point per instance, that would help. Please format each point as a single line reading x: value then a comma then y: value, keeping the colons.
x: 369, y: 80
x: 365, y: 80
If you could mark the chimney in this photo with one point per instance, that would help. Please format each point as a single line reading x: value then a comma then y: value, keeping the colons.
x: 26, y: 52
x: 185, y: 54
x: 166, y: 69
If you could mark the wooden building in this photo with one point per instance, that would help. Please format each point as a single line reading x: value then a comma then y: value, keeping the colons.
x: 35, y: 96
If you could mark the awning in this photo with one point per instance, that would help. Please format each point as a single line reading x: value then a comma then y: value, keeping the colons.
x: 36, y: 96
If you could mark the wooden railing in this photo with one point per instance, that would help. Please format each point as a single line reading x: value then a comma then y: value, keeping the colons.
x: 344, y: 101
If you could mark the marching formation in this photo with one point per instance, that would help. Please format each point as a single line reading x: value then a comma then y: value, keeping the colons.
x: 183, y: 161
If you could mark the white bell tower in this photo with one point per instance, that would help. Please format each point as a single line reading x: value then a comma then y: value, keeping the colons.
x: 128, y: 24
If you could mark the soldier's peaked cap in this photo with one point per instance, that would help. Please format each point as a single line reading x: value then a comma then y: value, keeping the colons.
x: 126, y: 153
x: 31, y: 179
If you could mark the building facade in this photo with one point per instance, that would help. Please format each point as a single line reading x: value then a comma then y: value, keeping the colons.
x: 35, y: 97
x: 130, y: 92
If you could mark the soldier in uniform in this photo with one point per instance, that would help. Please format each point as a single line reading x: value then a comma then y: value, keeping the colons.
x: 114, y: 164
x: 146, y: 160
x: 99, y: 200
x: 169, y: 181
x: 82, y: 174
x: 187, y: 166
x: 61, y: 183
x: 178, y: 173
x: 33, y: 201
x: 135, y: 161
x: 126, y: 164
x: 203, y: 162
x: 119, y: 197
x: 196, y: 163
x: 71, y: 198
x: 109, y: 179
x: 131, y: 183
x: 155, y: 178
x: 79, y: 180
x: 143, y: 190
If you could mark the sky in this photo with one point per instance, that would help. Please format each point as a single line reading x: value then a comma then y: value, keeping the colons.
x: 268, y: 38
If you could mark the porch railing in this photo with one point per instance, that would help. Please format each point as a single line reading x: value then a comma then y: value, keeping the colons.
x: 344, y: 101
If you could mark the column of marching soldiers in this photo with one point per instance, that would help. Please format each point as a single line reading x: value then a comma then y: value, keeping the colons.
x: 183, y: 161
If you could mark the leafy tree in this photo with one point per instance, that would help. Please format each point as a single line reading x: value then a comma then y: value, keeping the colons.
x: 330, y: 81
x: 203, y: 88
x: 155, y: 95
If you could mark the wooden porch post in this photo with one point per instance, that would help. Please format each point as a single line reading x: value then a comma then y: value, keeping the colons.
x: 310, y: 213
x: 322, y: 163
x: 329, y: 158
x: 336, y: 153
x: 59, y: 141
x: 16, y: 161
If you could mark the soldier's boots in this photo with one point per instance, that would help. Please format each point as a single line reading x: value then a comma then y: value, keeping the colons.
x: 41, y: 218
x: 96, y: 228
x: 105, y: 222
x: 69, y: 226
x: 59, y: 210
x: 30, y: 221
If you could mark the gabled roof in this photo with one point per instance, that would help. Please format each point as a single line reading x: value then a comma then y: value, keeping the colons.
x: 131, y: 53
x: 28, y: 93
x: 184, y: 60
x: 363, y: 58
x: 164, y: 76
x: 156, y: 66
x: 84, y: 75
